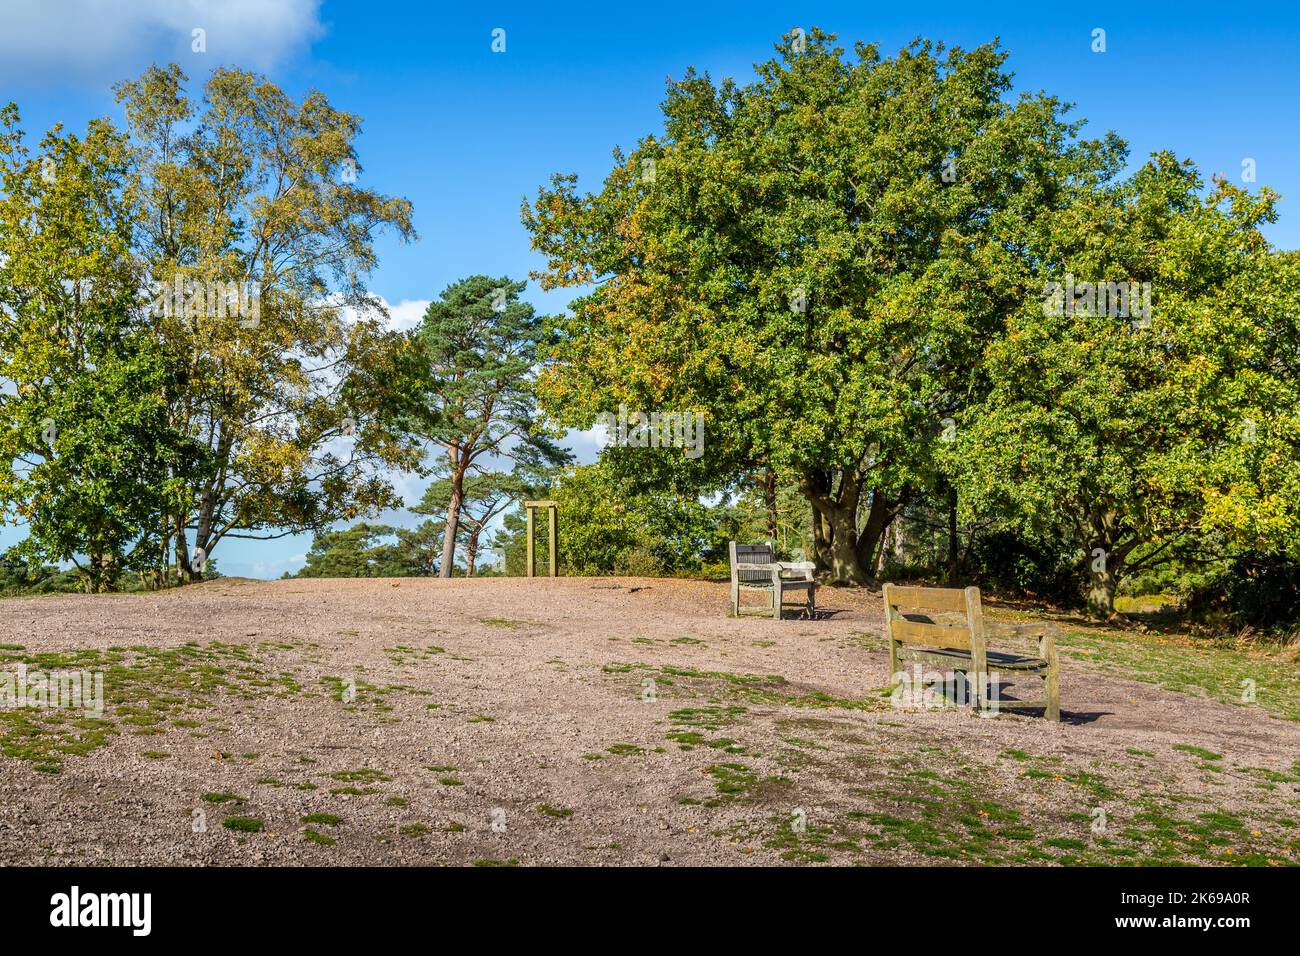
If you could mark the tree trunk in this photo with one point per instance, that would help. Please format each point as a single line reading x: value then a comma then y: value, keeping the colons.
x: 453, y: 518
x: 848, y: 555
x: 1101, y: 591
x: 202, y: 534
x: 471, y: 552
x: 845, y: 563
x: 1105, y: 561
x: 184, y: 572
x: 769, y: 504
x: 872, y: 537
x: 821, y: 554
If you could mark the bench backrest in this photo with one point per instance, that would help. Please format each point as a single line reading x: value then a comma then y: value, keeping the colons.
x: 751, y: 554
x: 909, y: 617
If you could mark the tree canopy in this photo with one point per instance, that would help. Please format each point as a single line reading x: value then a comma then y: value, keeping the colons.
x: 816, y: 260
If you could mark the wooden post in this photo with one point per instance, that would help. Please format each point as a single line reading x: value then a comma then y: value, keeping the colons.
x: 552, y: 514
x: 889, y: 632
x: 529, y: 508
x: 978, y: 649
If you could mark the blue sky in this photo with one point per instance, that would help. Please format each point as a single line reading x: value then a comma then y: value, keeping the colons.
x: 466, y: 133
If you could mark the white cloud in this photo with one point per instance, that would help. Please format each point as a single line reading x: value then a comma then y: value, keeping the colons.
x: 96, y: 40
x: 402, y: 317
x: 407, y: 314
x: 587, y: 444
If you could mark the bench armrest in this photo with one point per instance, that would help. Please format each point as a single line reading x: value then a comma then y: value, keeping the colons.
x: 799, y: 570
x: 1046, y: 632
x: 775, y: 568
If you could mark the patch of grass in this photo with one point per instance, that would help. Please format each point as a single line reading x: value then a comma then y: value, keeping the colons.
x: 404, y: 654
x: 353, y: 791
x: 451, y: 782
x: 1273, y: 776
x: 1198, y: 752
x: 1065, y: 843
x: 415, y: 830
x: 502, y: 622
x: 1196, y: 666
x: 550, y: 811
x: 625, y: 750
x: 357, y: 694
x: 324, y: 819
x: 222, y: 797
x: 243, y: 824
x: 709, y: 718
x: 312, y: 836
x: 361, y: 775
x: 143, y: 689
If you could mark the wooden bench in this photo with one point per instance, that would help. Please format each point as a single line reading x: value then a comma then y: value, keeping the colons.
x: 752, y: 569
x: 917, y: 631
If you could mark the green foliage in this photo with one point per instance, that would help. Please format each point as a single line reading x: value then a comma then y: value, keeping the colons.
x: 18, y: 575
x: 1131, y: 436
x: 85, y: 443
x: 606, y: 529
x: 373, y: 551
x: 816, y: 260
x: 250, y: 186
x: 353, y: 553
x: 137, y: 422
x: 841, y: 258
x: 1258, y: 591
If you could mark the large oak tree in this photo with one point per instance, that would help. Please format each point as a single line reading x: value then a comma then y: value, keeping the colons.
x: 815, y: 260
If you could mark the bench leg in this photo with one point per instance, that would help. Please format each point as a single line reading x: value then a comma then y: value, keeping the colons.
x: 978, y: 676
x: 776, y: 602
x: 812, y: 603
x: 976, y: 691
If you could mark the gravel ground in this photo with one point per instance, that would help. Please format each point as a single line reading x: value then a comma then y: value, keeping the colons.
x: 592, y: 722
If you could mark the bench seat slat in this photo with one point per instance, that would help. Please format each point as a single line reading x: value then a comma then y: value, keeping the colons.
x: 996, y: 660
x: 936, y: 635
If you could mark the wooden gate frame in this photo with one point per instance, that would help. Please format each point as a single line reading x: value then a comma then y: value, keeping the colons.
x: 553, y: 536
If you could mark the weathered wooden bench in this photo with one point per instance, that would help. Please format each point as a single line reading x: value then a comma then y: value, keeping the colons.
x: 752, y: 569
x: 945, y: 627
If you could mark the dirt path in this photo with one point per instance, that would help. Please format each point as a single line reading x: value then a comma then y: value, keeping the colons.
x: 588, y: 721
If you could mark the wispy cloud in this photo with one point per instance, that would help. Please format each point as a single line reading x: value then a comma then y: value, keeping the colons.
x: 90, y: 41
